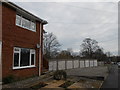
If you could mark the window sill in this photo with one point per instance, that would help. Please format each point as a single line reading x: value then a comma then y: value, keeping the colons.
x: 24, y: 67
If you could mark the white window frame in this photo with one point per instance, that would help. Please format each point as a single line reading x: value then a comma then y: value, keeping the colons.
x: 32, y: 51
x: 21, y: 17
x: 21, y: 67
x: 25, y: 21
x: 20, y: 20
x: 31, y: 26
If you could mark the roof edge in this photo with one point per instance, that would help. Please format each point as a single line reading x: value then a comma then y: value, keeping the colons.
x: 23, y: 10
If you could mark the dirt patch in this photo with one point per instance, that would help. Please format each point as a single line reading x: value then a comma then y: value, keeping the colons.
x: 39, y: 85
x: 66, y: 84
x: 82, y: 80
x: 96, y: 84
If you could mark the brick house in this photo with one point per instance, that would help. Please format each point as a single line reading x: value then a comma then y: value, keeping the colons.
x: 21, y: 40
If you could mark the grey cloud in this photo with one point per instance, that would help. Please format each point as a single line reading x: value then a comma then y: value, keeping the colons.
x: 72, y: 22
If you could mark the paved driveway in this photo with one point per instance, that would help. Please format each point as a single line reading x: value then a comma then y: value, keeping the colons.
x: 90, y: 71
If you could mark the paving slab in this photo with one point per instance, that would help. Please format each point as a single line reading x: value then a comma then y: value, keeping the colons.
x: 54, y: 84
x: 76, y: 85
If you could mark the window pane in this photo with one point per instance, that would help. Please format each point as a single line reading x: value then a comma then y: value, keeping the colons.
x: 18, y: 20
x: 25, y: 23
x: 16, y: 49
x: 25, y: 57
x: 16, y: 59
x: 32, y: 51
x: 33, y: 26
x: 32, y: 59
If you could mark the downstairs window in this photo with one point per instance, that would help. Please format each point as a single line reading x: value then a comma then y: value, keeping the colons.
x: 23, y: 58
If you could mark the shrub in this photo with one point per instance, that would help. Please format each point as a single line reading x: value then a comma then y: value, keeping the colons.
x: 60, y: 74
x: 8, y: 79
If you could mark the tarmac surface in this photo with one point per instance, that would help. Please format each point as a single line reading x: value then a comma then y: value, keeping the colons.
x: 89, y: 71
x: 113, y: 78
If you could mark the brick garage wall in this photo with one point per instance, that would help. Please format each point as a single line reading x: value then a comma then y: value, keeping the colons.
x: 16, y: 36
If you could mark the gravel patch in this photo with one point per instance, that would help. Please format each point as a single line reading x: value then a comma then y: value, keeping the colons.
x: 28, y: 82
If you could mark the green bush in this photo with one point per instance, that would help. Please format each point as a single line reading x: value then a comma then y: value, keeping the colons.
x: 8, y: 79
x: 60, y: 74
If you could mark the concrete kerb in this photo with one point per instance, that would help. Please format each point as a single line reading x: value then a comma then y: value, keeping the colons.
x: 103, y: 82
x: 101, y: 85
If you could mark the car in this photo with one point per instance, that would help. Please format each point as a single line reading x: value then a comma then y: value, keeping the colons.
x: 118, y: 64
x: 112, y: 62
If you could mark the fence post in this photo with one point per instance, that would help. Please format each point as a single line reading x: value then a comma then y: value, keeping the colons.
x: 79, y: 63
x: 65, y: 64
x: 52, y: 66
x: 84, y: 63
x: 57, y: 64
x: 73, y: 63
x: 89, y: 62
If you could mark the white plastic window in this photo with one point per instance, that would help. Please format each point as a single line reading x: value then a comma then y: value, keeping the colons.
x: 25, y: 23
x: 23, y: 58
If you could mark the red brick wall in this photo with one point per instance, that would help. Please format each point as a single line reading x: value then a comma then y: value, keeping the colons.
x: 16, y: 36
x: 45, y: 63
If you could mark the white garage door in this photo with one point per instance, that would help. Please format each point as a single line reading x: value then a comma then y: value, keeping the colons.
x: 86, y: 63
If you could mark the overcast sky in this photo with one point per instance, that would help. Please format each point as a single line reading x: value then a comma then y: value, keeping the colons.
x: 72, y: 22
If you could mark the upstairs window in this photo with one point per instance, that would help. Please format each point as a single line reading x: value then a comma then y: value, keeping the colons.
x: 25, y: 23
x: 33, y: 26
x: 18, y: 20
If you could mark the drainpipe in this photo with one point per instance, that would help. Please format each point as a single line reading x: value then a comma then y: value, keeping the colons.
x: 0, y: 65
x: 1, y: 46
x: 40, y: 53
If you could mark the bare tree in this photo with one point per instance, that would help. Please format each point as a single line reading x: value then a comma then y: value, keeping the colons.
x: 51, y: 45
x: 89, y: 46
